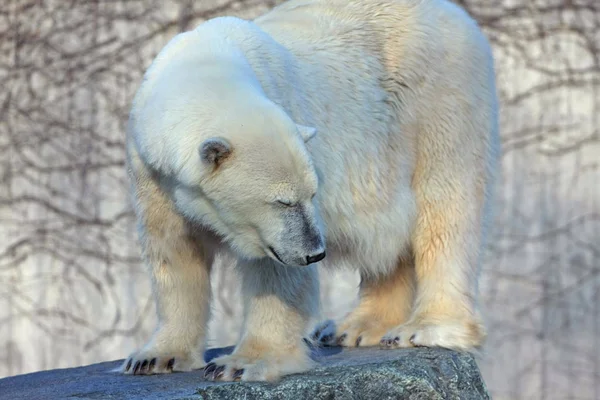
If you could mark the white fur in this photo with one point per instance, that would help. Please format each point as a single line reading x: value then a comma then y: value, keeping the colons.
x: 386, y: 110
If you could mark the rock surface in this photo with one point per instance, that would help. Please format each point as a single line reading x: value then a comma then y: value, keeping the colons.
x: 349, y: 374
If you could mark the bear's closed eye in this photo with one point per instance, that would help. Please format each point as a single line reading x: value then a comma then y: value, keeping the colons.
x: 287, y: 203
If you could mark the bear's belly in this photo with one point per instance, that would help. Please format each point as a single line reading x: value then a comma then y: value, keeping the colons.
x: 369, y: 239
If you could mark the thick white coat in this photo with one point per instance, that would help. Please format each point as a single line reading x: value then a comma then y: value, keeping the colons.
x: 402, y: 96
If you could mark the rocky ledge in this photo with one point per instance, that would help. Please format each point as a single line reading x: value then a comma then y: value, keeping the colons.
x: 349, y: 374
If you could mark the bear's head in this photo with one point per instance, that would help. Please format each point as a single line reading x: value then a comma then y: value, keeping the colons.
x: 257, y: 184
x: 232, y: 160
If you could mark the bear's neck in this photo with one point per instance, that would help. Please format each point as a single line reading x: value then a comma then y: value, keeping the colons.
x: 272, y: 66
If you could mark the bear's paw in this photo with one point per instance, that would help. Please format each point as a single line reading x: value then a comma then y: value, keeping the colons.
x: 462, y: 335
x: 149, y: 362
x: 266, y: 365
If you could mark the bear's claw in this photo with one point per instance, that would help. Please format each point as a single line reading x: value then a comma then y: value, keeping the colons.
x: 214, y: 372
x: 210, y: 367
x: 218, y: 373
x: 237, y: 375
x: 341, y: 339
x: 142, y: 367
x: 387, y: 343
x: 149, y: 365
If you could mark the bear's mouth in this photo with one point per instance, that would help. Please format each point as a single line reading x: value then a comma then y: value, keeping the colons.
x: 272, y: 250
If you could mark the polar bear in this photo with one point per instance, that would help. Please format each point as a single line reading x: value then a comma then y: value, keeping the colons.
x: 323, y: 133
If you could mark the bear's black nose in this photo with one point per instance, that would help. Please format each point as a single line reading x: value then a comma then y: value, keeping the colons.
x: 315, y: 258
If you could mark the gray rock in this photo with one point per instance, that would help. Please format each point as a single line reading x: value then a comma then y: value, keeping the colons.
x: 349, y: 374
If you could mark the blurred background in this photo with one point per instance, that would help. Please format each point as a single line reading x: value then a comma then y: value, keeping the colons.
x: 73, y: 290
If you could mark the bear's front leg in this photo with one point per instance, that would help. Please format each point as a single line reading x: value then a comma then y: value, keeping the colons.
x: 182, y: 289
x: 279, y: 303
x: 179, y: 264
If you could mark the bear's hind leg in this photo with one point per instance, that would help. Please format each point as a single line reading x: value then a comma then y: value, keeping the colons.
x: 445, y: 313
x: 450, y: 183
x: 385, y: 302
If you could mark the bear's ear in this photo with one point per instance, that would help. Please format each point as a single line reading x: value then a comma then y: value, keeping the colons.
x: 306, y: 132
x: 214, y: 151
